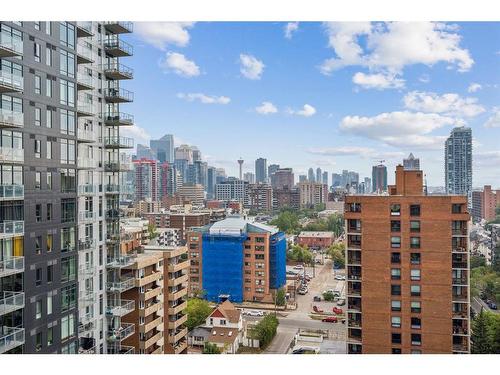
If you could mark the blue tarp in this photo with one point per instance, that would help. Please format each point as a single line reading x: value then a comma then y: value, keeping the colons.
x: 277, y: 260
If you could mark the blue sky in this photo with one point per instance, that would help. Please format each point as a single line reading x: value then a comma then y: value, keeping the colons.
x: 338, y: 96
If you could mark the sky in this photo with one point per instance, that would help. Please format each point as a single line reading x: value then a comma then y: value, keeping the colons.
x: 330, y: 95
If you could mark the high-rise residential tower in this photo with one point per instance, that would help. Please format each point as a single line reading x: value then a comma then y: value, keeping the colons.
x: 261, y: 170
x: 458, y: 162
x: 319, y: 175
x: 379, y: 178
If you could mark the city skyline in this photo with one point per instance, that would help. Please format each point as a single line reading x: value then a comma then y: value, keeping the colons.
x: 409, y: 102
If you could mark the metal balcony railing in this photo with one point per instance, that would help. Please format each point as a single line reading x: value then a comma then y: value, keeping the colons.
x: 10, y: 45
x: 115, y: 70
x: 118, y: 119
x: 83, y: 54
x: 87, y: 297
x: 118, y: 95
x: 116, y: 47
x: 120, y: 307
x: 12, y: 155
x: 120, y: 286
x: 10, y: 82
x: 87, y: 189
x: 87, y: 269
x: 119, y: 27
x: 118, y: 142
x: 11, y: 301
x: 86, y: 244
x: 11, y: 192
x: 121, y: 333
x: 11, y: 119
x: 10, y: 338
x: 86, y: 216
x: 11, y: 228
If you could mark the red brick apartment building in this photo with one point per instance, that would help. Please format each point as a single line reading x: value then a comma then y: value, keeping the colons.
x: 407, y: 270
x: 316, y: 240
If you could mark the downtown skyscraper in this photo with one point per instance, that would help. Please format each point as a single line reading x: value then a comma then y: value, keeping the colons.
x: 458, y: 162
x: 261, y: 170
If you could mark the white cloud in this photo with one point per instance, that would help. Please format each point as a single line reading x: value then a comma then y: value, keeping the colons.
x: 378, y: 81
x: 161, y: 34
x: 451, y: 104
x: 424, y: 78
x: 392, y: 46
x: 494, y: 120
x: 473, y: 87
x: 205, y: 99
x: 290, y: 29
x: 266, y: 108
x: 400, y: 129
x: 364, y: 152
x: 178, y: 63
x: 306, y: 111
x: 139, y: 134
x: 251, y: 67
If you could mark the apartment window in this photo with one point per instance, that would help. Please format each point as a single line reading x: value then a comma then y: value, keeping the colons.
x: 50, y: 336
x: 68, y: 297
x: 38, y: 341
x: 38, y: 277
x: 50, y: 242
x: 259, y: 256
x: 38, y: 85
x: 37, y: 52
x: 67, y: 326
x: 396, y: 305
x: 396, y: 322
x: 395, y: 242
x: 68, y: 180
x: 395, y: 257
x: 415, y: 275
x: 415, y: 351
x: 416, y: 323
x: 50, y: 273
x: 48, y: 122
x: 223, y: 322
x: 67, y: 34
x: 396, y: 338
x: 38, y: 116
x: 68, y: 269
x: 395, y: 226
x: 48, y: 28
x: 68, y: 151
x: 48, y: 87
x: 67, y: 63
x: 38, y: 212
x: 396, y: 351
x: 36, y: 24
x: 415, y: 258
x: 396, y: 273
x: 415, y: 226
x: 67, y: 92
x: 395, y: 290
x: 414, y: 210
x: 49, y: 206
x: 456, y: 208
x: 416, y: 307
x: 38, y: 148
x: 38, y: 309
x: 415, y: 242
x: 415, y: 290
x: 416, y: 339
x: 38, y: 180
x: 48, y: 56
x: 395, y: 209
x: 67, y: 122
x: 259, y: 239
x: 49, y: 180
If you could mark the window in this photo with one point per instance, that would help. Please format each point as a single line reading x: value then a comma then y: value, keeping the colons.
x: 48, y: 121
x: 416, y: 339
x: 68, y: 297
x: 415, y: 290
x: 67, y: 92
x: 67, y: 34
x: 396, y: 305
x: 416, y: 323
x: 67, y: 326
x: 38, y: 212
x: 37, y: 52
x: 395, y: 209
x: 38, y: 148
x: 38, y: 85
x: 50, y: 336
x: 223, y: 322
x: 415, y: 351
x: 49, y: 208
x: 48, y: 56
x: 456, y: 208
x: 67, y: 122
x: 48, y: 28
x: 415, y: 226
x: 38, y: 341
x: 415, y: 307
x: 259, y: 239
x: 68, y: 269
x: 414, y: 210
x: 38, y: 309
x: 395, y: 290
x: 395, y: 226
x: 68, y: 151
x: 50, y: 242
x: 38, y: 245
x: 415, y: 275
x: 50, y: 273
x: 49, y: 180
x: 415, y: 258
x: 38, y: 180
x: 415, y: 242
x: 395, y: 257
x: 38, y: 277
x: 68, y: 180
x: 395, y: 242
x: 396, y: 351
x: 396, y: 273
x: 48, y: 87
x: 67, y: 63
x: 396, y: 321
x: 38, y: 116
x: 36, y: 24
x: 396, y: 338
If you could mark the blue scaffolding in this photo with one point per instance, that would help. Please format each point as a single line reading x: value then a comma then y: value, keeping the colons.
x: 277, y: 260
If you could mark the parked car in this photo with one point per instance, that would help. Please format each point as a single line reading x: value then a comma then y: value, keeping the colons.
x: 305, y: 350
x: 492, y: 305
x: 316, y: 309
x: 254, y: 313
x: 330, y: 319
x: 341, y: 302
x: 298, y: 267
x: 339, y: 277
x: 337, y: 310
x: 303, y: 291
x: 317, y: 299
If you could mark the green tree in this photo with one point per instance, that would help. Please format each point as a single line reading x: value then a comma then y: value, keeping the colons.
x: 265, y: 330
x: 328, y: 296
x: 210, y: 348
x: 300, y: 254
x: 480, y: 336
x: 337, y: 253
x: 477, y: 261
x: 287, y: 221
x: 152, y: 231
x: 197, y: 311
x: 281, y: 297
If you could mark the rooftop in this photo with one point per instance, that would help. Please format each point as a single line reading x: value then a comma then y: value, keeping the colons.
x: 317, y: 234
x: 236, y: 225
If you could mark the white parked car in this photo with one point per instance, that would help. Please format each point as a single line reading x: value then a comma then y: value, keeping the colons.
x: 339, y: 277
x: 254, y: 313
x: 298, y: 267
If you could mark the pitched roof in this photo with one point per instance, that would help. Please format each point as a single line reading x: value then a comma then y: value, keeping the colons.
x: 223, y: 335
x: 227, y: 310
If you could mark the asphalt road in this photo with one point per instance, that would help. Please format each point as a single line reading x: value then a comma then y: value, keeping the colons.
x: 477, y: 303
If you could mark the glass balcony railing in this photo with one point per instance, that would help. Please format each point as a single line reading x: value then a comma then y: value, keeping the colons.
x: 10, y: 46
x: 115, y: 70
x: 87, y: 269
x: 87, y: 189
x: 84, y: 29
x: 11, y: 301
x: 111, y: 166
x: 11, y: 192
x: 10, y: 338
x: 87, y: 216
x: 83, y: 54
x: 11, y: 266
x: 87, y: 297
x: 118, y: 142
x: 11, y: 118
x: 121, y: 349
x: 120, y: 261
x: 86, y: 135
x: 121, y: 286
x: 120, y: 307
x: 84, y: 81
x: 10, y: 82
x: 112, y: 188
x: 11, y: 228
x: 85, y: 108
x: 13, y: 155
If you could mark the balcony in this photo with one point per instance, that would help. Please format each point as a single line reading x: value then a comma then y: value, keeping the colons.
x: 112, y: 189
x: 10, y: 338
x: 120, y: 286
x: 175, y: 324
x: 11, y: 155
x: 84, y: 29
x: 354, y: 273
x: 10, y: 46
x: 87, y: 216
x: 150, y: 308
x: 148, y: 279
x: 84, y: 81
x: 354, y: 322
x: 174, y: 296
x: 177, y: 336
x: 460, y: 281
x: 111, y: 166
x: 178, y: 280
x: 354, y: 242
x: 118, y: 95
x: 11, y: 301
x: 10, y: 82
x: 85, y: 109
x: 119, y: 27
x: 83, y: 54
x: 459, y: 329
x: 460, y: 296
x: 121, y: 349
x: 11, y: 228
x: 120, y: 261
x: 86, y: 345
x: 121, y: 333
x: 178, y: 266
x: 116, y: 47
x: 173, y: 310
x: 120, y: 308
x: 86, y: 326
x: 353, y: 207
x: 151, y: 341
x: 118, y: 142
x: 87, y: 189
x: 118, y: 119
x: 152, y: 292
x: 180, y: 347
x: 459, y: 245
x: 86, y: 244
x: 87, y: 269
x: 143, y: 328
x: 86, y: 297
x: 11, y: 192
x: 116, y: 71
x: 353, y: 226
x: 354, y: 335
x: 354, y: 258
x: 11, y: 119
x: 86, y: 163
